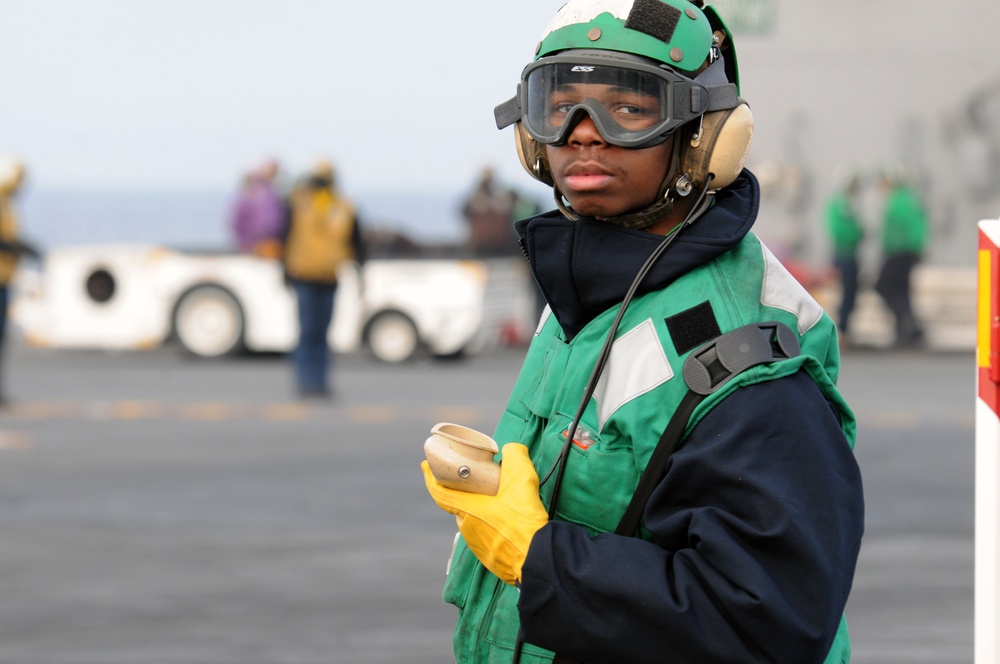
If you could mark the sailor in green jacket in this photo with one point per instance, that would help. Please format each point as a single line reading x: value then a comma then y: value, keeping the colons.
x: 904, y: 235
x: 677, y: 481
x: 846, y: 232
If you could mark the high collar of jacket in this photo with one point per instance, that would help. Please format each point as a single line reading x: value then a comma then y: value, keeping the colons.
x: 584, y: 267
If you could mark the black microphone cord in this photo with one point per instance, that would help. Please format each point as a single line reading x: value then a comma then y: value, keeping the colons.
x: 609, y: 340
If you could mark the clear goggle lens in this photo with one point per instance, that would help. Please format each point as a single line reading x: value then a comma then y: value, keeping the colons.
x: 634, y: 106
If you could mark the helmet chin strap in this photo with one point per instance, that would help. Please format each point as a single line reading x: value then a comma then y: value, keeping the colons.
x: 643, y: 218
x: 646, y: 216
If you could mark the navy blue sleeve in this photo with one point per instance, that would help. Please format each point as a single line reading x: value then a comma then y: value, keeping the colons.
x: 757, y: 527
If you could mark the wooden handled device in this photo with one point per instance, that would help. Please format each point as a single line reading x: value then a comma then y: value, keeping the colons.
x: 462, y: 458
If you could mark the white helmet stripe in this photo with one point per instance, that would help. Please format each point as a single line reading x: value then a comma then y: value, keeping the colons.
x: 583, y: 12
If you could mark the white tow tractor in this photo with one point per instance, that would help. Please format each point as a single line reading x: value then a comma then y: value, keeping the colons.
x: 215, y: 304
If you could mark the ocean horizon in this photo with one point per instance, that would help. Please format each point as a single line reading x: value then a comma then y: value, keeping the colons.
x: 199, y: 220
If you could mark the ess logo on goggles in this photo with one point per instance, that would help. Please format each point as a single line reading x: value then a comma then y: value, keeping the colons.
x: 633, y: 104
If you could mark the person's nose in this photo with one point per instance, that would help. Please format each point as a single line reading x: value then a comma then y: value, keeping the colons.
x: 585, y: 133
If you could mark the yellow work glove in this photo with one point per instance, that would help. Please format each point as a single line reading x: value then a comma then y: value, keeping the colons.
x: 498, y: 529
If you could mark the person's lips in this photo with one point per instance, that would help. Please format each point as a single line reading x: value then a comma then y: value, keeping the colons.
x: 586, y: 177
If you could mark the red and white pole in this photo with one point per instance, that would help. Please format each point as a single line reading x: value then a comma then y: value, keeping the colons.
x: 987, y: 585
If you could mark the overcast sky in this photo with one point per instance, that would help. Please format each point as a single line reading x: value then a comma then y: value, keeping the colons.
x: 141, y: 94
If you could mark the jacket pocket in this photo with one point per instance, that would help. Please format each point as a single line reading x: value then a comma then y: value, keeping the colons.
x: 597, y: 487
x: 501, y: 633
x: 461, y: 566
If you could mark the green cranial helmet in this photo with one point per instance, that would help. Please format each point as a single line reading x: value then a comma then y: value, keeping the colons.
x: 676, y: 52
x: 674, y: 32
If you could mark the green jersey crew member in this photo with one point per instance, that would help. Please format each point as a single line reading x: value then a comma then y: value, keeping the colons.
x: 747, y: 542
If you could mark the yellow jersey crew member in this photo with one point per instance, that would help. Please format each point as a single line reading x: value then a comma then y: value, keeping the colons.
x: 321, y: 234
x: 12, y: 248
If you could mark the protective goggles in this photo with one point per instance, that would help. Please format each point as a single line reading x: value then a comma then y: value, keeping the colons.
x: 633, y: 103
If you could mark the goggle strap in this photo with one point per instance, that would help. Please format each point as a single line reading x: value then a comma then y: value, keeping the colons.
x: 721, y: 93
x: 508, y: 112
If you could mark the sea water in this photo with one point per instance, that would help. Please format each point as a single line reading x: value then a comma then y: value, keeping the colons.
x: 199, y: 220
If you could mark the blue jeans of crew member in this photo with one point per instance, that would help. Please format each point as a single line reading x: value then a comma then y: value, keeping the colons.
x: 3, y: 313
x: 894, y: 285
x: 847, y: 266
x: 312, y: 355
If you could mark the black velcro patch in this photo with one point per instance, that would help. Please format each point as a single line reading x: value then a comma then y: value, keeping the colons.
x: 655, y: 18
x: 693, y: 327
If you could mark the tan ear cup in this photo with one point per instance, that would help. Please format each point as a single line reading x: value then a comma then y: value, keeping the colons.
x: 721, y: 148
x: 532, y: 155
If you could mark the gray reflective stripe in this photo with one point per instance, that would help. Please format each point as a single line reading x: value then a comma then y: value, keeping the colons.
x: 637, y: 365
x: 781, y: 290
